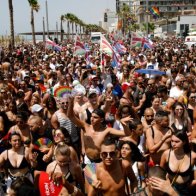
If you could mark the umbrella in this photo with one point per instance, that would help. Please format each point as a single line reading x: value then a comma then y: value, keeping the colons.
x: 150, y: 71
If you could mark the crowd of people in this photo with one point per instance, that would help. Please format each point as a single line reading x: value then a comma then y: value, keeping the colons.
x: 138, y: 131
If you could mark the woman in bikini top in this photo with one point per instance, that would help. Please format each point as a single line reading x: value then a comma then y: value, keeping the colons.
x: 16, y: 160
x: 179, y: 162
x: 63, y: 164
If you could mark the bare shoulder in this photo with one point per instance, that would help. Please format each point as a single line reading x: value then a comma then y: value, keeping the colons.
x: 193, y: 155
x: 50, y: 167
x: 166, y: 153
x: 126, y: 164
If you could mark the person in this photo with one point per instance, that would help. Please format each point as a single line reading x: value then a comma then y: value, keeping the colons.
x: 22, y: 128
x: 179, y: 161
x: 179, y: 119
x: 39, y: 132
x: 61, y: 119
x: 88, y: 107
x: 156, y: 104
x: 127, y: 98
x: 95, y: 133
x: 158, y: 137
x: 16, y: 160
x: 191, y: 105
x: 22, y: 186
x: 148, y: 119
x: 177, y: 90
x: 122, y: 112
x: 158, y: 184
x: 63, y: 164
x: 112, y: 173
x: 130, y: 152
x: 61, y: 135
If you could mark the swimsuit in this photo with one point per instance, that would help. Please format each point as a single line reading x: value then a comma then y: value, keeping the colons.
x: 183, y: 188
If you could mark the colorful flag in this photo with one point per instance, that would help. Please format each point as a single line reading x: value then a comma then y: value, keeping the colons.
x: 137, y: 40
x: 155, y: 12
x: 52, y: 45
x: 106, y: 48
x: 120, y: 48
x: 79, y: 48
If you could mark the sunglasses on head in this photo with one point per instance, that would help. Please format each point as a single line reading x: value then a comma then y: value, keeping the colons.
x: 111, y: 154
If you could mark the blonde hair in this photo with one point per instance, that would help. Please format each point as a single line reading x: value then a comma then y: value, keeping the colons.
x: 62, y: 149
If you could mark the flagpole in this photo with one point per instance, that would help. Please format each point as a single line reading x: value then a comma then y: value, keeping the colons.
x: 101, y: 54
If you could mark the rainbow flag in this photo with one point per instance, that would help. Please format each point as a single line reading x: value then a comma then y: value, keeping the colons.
x: 155, y: 12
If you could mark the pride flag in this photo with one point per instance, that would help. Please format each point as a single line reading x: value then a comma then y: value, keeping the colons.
x: 155, y: 12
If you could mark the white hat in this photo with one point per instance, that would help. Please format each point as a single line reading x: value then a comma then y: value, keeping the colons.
x: 36, y: 108
x: 92, y: 91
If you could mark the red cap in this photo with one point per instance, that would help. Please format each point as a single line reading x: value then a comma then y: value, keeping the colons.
x: 125, y: 85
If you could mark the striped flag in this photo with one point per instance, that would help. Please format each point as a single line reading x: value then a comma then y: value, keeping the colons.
x: 137, y: 40
x: 79, y: 48
x: 106, y: 48
x: 120, y: 48
x: 52, y: 45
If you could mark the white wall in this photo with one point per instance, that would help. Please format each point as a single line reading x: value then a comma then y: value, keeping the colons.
x: 185, y: 20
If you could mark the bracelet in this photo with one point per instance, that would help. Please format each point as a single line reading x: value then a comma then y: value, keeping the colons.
x: 74, y: 192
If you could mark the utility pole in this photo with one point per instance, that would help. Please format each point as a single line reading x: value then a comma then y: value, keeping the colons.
x: 147, y: 27
x: 44, y: 37
x: 47, y: 23
x: 57, y: 36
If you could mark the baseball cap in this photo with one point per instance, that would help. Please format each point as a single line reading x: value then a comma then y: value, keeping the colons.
x: 94, y: 78
x: 92, y: 91
x: 125, y: 85
x: 36, y: 108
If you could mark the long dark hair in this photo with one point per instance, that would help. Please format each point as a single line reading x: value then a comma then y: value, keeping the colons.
x: 182, y: 135
x: 136, y: 155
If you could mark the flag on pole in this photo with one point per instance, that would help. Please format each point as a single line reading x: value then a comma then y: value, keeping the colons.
x: 105, y: 47
x: 79, y: 48
x: 120, y: 48
x: 155, y: 12
x: 137, y: 40
x: 52, y: 45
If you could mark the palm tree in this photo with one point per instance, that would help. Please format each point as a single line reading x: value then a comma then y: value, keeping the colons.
x: 151, y: 27
x: 73, y: 20
x: 126, y: 17
x: 11, y: 23
x: 34, y: 7
x: 68, y: 24
x: 62, y: 31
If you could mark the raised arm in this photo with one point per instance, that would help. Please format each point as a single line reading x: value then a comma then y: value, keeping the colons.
x: 71, y: 114
x: 125, y: 123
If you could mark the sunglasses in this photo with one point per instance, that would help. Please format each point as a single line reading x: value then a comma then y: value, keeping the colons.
x: 111, y: 154
x: 64, y: 103
x: 150, y: 84
x: 193, y: 97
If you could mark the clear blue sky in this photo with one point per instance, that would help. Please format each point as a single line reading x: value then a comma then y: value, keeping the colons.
x: 90, y: 11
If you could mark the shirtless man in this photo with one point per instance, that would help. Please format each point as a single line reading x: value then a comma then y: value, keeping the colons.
x: 158, y: 137
x: 148, y: 119
x: 111, y: 173
x: 96, y: 132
